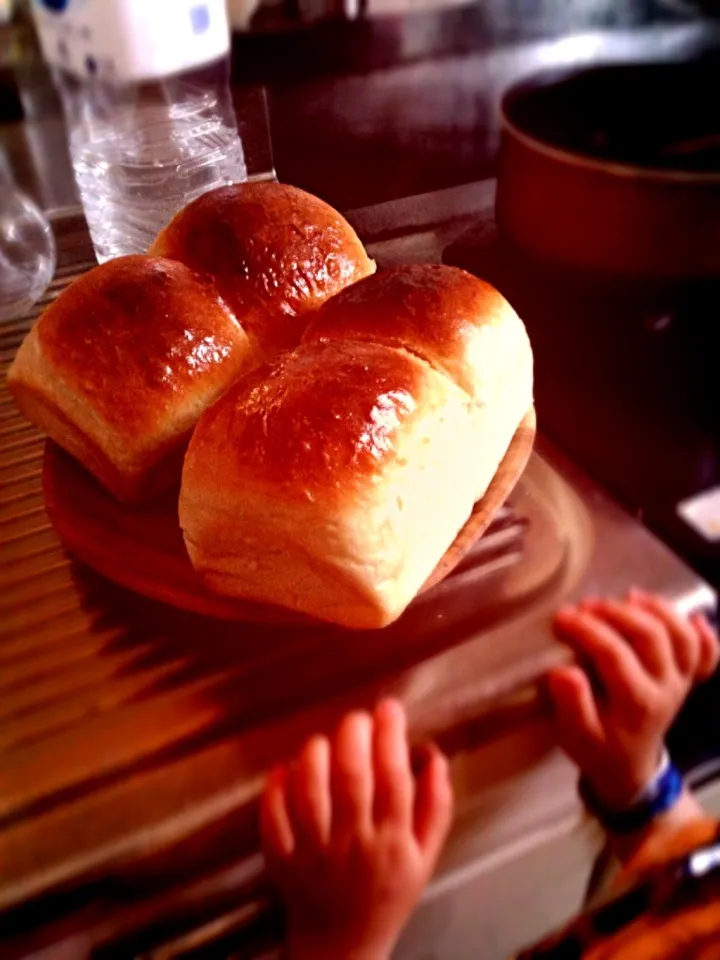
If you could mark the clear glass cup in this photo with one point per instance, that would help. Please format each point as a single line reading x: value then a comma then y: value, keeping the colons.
x: 27, y: 248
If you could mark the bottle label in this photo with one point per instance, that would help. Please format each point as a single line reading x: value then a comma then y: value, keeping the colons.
x: 123, y: 41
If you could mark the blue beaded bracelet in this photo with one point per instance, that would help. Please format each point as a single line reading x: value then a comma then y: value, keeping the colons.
x: 659, y: 796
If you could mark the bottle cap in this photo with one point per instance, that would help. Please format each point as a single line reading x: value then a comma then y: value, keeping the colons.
x: 125, y: 41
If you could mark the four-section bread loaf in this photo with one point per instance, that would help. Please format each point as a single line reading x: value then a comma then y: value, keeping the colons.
x: 341, y: 423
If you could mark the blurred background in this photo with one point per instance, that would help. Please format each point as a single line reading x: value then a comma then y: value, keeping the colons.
x: 371, y: 100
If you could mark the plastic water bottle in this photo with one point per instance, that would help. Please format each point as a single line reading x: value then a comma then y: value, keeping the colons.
x: 145, y: 90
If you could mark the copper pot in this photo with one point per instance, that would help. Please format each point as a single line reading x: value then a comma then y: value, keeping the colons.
x: 615, y: 170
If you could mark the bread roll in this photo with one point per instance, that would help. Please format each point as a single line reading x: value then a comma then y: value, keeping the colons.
x: 459, y: 324
x: 462, y: 326
x: 331, y: 482
x: 275, y: 252
x: 119, y: 368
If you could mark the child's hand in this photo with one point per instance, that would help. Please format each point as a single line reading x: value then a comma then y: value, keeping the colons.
x: 637, y: 661
x: 351, y: 836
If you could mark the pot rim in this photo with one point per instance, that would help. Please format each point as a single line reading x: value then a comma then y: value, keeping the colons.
x: 576, y: 158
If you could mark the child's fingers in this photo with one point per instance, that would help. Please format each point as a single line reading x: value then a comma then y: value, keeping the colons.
x: 308, y: 793
x: 275, y: 826
x: 351, y: 777
x: 709, y: 655
x: 576, y: 713
x: 615, y: 662
x: 394, y: 783
x: 433, y: 803
x: 646, y: 634
x: 684, y: 640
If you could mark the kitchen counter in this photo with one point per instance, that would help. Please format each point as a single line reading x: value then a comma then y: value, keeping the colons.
x: 131, y: 754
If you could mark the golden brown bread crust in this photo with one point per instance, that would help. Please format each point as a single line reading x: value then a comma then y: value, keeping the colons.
x: 274, y: 251
x: 431, y: 310
x: 134, y: 334
x: 51, y: 419
x: 314, y: 423
x: 119, y: 368
x: 331, y: 482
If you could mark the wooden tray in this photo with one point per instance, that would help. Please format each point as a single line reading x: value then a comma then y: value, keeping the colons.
x: 143, y: 549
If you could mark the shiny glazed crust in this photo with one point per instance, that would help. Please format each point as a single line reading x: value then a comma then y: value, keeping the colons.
x: 463, y: 327
x: 333, y: 480
x: 330, y: 482
x: 315, y: 423
x: 274, y: 251
x: 119, y: 368
x: 459, y: 324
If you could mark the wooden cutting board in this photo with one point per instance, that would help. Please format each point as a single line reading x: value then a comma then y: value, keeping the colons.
x: 142, y: 548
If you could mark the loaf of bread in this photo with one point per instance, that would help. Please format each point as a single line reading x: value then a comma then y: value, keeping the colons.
x: 120, y: 367
x: 333, y: 480
x: 274, y: 252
